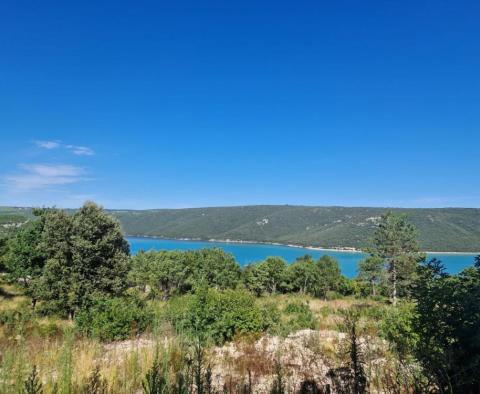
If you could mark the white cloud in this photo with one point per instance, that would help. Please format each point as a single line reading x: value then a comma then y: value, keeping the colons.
x: 75, y: 149
x: 48, y: 144
x: 80, y: 150
x: 41, y: 176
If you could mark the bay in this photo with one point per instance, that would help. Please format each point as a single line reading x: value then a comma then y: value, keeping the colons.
x: 246, y: 253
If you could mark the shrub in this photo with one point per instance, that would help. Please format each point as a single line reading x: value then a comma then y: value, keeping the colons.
x: 397, y: 328
x: 217, y: 315
x: 114, y: 318
x: 300, y: 316
x: 17, y: 321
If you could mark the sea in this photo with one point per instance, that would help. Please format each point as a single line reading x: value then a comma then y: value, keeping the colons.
x: 246, y: 253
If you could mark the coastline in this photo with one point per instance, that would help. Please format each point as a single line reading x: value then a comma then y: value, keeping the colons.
x: 345, y: 249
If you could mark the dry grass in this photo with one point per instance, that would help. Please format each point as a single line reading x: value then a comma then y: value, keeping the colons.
x: 11, y: 297
x: 50, y: 344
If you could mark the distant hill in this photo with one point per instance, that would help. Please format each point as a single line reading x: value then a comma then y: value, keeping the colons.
x: 443, y: 229
x: 12, y: 218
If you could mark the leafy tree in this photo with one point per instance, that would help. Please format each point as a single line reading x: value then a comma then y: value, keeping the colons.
x: 141, y: 270
x: 329, y: 276
x: 255, y: 278
x: 86, y: 256
x: 303, y: 275
x: 166, y: 272
x: 3, y: 252
x: 170, y: 273
x: 275, y: 269
x: 370, y: 270
x: 395, y: 241
x: 267, y: 276
x: 25, y: 259
x: 214, y: 267
x: 447, y: 322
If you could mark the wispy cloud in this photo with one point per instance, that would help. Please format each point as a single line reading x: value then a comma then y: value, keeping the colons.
x: 80, y: 150
x: 48, y: 144
x: 41, y: 176
x: 75, y: 149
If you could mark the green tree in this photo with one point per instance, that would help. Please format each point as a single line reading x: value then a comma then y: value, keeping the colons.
x: 87, y: 256
x: 329, y: 276
x: 447, y: 322
x: 25, y: 259
x: 267, y: 276
x: 141, y: 270
x: 303, y: 275
x: 395, y: 241
x: 370, y: 271
x: 255, y: 278
x: 275, y: 269
x: 214, y: 267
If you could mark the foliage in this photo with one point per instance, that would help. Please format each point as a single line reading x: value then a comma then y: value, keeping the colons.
x: 62, y: 260
x: 268, y: 276
x: 217, y: 315
x: 16, y: 321
x: 303, y: 275
x: 95, y: 384
x: 155, y: 381
x: 397, y: 327
x: 447, y: 322
x: 371, y: 272
x: 299, y: 316
x: 329, y: 276
x: 169, y: 273
x: 114, y: 318
x: 24, y: 258
x: 33, y: 385
x: 395, y: 241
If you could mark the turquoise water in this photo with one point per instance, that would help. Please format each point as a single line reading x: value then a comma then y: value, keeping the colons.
x: 248, y: 253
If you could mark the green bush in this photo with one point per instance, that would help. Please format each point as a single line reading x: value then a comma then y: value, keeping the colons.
x: 397, y: 328
x: 17, y: 321
x: 218, y: 315
x: 299, y: 316
x: 114, y: 318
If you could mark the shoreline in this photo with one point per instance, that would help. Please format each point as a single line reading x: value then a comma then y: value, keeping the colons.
x: 235, y: 241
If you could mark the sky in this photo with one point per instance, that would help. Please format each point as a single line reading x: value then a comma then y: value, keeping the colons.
x: 213, y: 103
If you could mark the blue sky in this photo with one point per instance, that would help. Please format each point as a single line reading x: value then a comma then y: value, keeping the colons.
x: 184, y: 104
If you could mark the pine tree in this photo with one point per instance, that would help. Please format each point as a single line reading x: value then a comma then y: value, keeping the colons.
x: 395, y: 241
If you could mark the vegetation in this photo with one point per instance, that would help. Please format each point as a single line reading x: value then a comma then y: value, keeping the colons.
x: 443, y: 229
x: 71, y: 290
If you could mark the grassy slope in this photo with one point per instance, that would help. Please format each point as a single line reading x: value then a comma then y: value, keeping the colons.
x: 445, y: 229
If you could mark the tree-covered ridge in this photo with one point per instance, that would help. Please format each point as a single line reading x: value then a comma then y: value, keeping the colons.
x: 440, y: 229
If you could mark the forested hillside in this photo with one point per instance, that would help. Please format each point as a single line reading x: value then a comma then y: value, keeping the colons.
x: 444, y: 229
